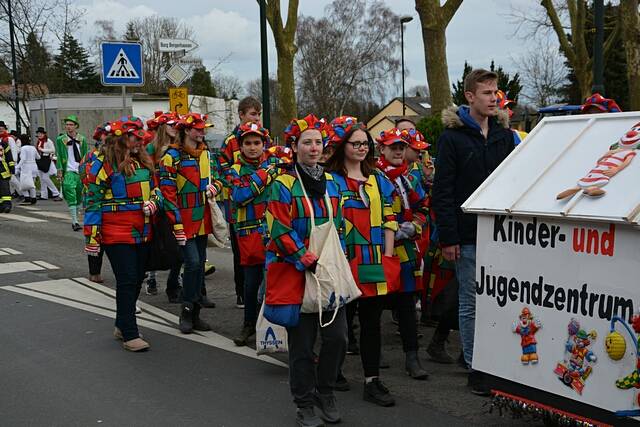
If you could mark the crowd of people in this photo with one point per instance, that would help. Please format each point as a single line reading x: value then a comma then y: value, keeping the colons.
x: 395, y: 214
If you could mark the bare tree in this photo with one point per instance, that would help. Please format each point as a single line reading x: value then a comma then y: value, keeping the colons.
x: 149, y: 30
x: 419, y: 90
x: 228, y: 86
x: 104, y: 31
x: 543, y: 74
x: 434, y: 19
x: 348, y: 56
x: 284, y: 37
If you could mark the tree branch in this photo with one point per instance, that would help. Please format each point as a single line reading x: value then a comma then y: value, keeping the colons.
x: 565, y: 44
x: 449, y: 9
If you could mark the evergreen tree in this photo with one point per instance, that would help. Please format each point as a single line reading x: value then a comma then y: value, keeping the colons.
x: 509, y: 85
x: 458, y: 87
x: 34, y: 67
x: 71, y: 71
x: 200, y: 82
x: 5, y: 73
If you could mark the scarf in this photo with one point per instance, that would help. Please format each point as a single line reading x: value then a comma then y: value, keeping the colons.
x: 251, y: 162
x: 313, y: 179
x: 40, y: 146
x: 193, y: 152
x: 392, y: 172
x: 76, y: 151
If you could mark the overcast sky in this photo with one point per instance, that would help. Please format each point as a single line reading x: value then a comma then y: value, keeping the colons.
x: 479, y: 31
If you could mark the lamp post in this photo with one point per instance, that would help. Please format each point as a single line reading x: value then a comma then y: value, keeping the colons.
x: 14, y: 68
x: 266, y: 105
x: 403, y: 20
x: 598, y: 55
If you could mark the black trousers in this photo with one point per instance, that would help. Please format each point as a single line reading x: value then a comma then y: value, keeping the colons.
x: 304, y: 378
x: 405, y: 304
x: 369, y: 312
x: 238, y: 270
x: 95, y: 262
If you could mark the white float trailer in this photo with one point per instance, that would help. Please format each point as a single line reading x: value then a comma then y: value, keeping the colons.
x: 558, y: 273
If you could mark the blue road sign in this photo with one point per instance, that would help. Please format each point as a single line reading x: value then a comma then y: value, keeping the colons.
x: 121, y: 64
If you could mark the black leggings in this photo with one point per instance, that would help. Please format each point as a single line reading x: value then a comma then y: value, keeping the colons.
x: 369, y: 312
x: 95, y: 263
x: 405, y: 304
x: 238, y: 270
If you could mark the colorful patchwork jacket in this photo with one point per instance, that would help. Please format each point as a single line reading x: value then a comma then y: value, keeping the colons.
x: 249, y: 182
x: 113, y: 201
x: 289, y: 226
x: 227, y: 156
x: 183, y: 182
x: 367, y: 213
x: 410, y: 203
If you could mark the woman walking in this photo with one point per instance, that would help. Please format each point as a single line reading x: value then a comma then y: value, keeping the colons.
x: 369, y: 237
x: 288, y: 257
x: 28, y: 169
x: 120, y: 199
x: 46, y: 165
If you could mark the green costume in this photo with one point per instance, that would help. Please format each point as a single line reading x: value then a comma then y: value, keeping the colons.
x: 71, y: 183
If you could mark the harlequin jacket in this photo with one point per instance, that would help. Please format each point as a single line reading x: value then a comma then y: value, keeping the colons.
x: 227, y: 156
x: 183, y: 182
x: 417, y: 177
x: 367, y: 213
x: 113, y: 200
x: 62, y: 154
x: 249, y: 182
x: 412, y: 207
x: 289, y: 225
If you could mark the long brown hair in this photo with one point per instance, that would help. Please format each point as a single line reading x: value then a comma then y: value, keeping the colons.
x: 118, y: 154
x: 336, y: 161
x: 161, y: 142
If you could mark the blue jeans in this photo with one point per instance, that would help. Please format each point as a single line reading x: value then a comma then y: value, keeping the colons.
x: 253, y: 275
x: 466, y: 274
x: 194, y: 253
x: 127, y: 262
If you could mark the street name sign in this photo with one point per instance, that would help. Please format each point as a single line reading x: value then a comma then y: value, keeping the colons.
x: 176, y: 45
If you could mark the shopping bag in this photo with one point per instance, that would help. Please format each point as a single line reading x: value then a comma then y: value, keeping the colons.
x: 220, y: 235
x: 270, y: 338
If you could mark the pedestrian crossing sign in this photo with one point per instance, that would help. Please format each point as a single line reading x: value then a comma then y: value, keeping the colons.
x: 121, y: 64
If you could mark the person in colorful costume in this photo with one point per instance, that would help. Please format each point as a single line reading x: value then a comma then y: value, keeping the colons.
x: 163, y: 125
x: 504, y: 104
x: 597, y: 103
x: 288, y: 258
x: 5, y: 178
x: 411, y: 210
x: 370, y: 226
x: 46, y: 166
x: 527, y: 327
x: 249, y: 110
x: 250, y: 177
x: 121, y: 197
x: 187, y: 180
x: 71, y: 147
x: 11, y: 152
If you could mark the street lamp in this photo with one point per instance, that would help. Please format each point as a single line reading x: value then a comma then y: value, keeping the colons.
x: 403, y: 20
x: 266, y: 105
x: 13, y: 66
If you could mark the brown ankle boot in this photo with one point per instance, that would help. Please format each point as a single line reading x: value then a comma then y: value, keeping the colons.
x: 136, y: 344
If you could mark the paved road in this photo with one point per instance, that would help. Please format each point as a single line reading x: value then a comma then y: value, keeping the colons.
x: 60, y: 365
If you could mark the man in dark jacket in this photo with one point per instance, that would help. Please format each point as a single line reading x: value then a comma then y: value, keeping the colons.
x: 475, y: 141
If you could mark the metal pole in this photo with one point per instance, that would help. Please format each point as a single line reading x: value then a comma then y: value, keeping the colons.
x: 124, y: 100
x: 266, y: 105
x: 598, y: 60
x: 404, y: 107
x: 15, y: 69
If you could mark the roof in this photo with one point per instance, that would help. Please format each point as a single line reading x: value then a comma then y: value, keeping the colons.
x: 555, y: 155
x: 419, y: 104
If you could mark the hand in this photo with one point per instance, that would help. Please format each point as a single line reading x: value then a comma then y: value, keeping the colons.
x: 409, y: 228
x: 400, y: 235
x: 149, y: 208
x: 92, y: 249
x: 181, y: 238
x: 211, y: 191
x: 312, y: 267
x: 451, y: 253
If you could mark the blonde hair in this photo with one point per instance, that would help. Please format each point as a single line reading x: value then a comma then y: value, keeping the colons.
x: 161, y: 142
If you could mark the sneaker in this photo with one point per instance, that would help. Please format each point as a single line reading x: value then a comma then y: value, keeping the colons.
x: 246, y: 333
x: 376, y: 392
x: 342, y: 384
x: 326, y: 404
x: 152, y: 287
x: 76, y: 227
x: 352, y: 348
x: 57, y: 199
x: 477, y: 384
x: 209, y: 269
x: 306, y: 417
x: 239, y: 302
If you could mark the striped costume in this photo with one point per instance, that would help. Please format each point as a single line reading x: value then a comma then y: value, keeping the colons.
x: 596, y: 177
x: 114, y: 204
x: 367, y: 213
x: 183, y: 182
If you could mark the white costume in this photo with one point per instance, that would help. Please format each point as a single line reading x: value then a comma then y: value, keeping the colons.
x: 47, y: 150
x: 27, y: 165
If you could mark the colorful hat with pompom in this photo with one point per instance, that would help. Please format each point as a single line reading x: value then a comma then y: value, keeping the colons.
x: 390, y: 137
x: 342, y: 125
x: 415, y: 139
x: 297, y: 126
x: 599, y: 102
x: 161, y: 118
x: 193, y: 121
x: 127, y: 125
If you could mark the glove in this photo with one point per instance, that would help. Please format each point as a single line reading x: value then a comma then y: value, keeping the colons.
x: 92, y: 249
x: 181, y: 238
x: 400, y: 235
x: 409, y: 229
x: 211, y: 191
x: 149, y: 208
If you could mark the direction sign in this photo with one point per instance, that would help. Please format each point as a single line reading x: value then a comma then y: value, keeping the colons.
x: 190, y: 61
x: 176, y: 45
x: 121, y: 64
x: 176, y: 74
x: 179, y: 100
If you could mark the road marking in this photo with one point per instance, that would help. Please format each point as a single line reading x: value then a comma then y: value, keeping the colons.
x: 48, y: 214
x: 20, y: 218
x: 82, y: 294
x: 20, y: 266
x: 9, y: 251
x: 30, y: 208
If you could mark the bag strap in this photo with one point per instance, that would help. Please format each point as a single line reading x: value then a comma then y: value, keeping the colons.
x: 335, y: 311
x: 327, y: 201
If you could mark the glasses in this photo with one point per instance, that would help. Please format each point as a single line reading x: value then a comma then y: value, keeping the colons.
x: 359, y: 144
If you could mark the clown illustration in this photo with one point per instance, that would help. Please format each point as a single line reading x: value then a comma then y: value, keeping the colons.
x: 616, y: 346
x: 615, y: 160
x: 527, y: 327
x: 576, y: 367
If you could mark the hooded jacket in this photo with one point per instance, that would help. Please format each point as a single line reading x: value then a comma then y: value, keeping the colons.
x: 465, y: 159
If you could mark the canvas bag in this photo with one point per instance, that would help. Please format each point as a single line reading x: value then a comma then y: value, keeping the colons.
x: 270, y: 338
x: 332, y: 285
x: 220, y: 235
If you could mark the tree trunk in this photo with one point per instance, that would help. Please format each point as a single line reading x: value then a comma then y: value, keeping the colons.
x: 286, y: 85
x: 631, y: 43
x: 584, y: 77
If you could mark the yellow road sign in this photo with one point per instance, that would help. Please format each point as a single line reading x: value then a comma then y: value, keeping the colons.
x: 179, y: 100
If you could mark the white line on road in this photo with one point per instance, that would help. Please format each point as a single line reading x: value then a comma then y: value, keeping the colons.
x: 46, y: 265
x: 84, y: 295
x: 48, y: 214
x: 20, y: 218
x: 20, y: 266
x: 30, y: 208
x: 9, y: 251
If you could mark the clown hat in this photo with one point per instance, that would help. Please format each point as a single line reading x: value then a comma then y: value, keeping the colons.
x: 415, y: 139
x: 600, y: 103
x: 390, y: 137
x: 193, y: 121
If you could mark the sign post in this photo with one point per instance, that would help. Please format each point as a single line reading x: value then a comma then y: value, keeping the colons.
x: 179, y: 100
x: 121, y: 65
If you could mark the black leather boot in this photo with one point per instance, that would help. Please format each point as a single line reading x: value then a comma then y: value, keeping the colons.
x: 186, y: 318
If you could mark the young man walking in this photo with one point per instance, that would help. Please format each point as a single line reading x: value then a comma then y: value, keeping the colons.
x: 71, y: 147
x: 475, y: 141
